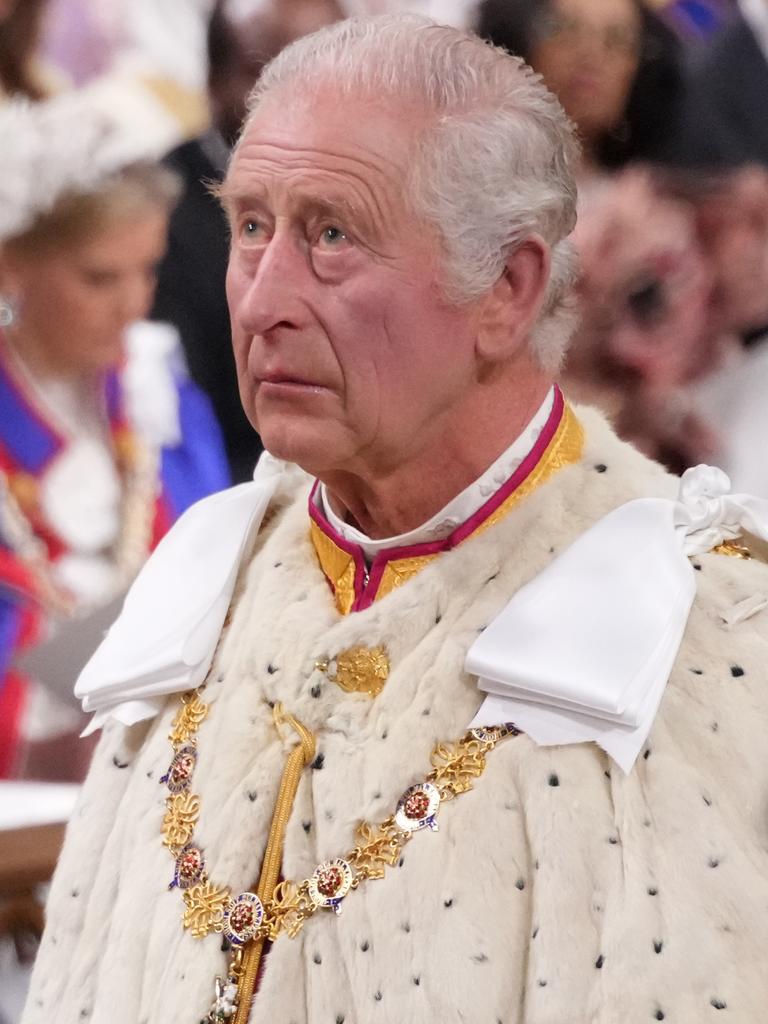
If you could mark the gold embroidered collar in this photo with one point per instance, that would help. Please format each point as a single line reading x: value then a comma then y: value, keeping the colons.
x: 356, y: 585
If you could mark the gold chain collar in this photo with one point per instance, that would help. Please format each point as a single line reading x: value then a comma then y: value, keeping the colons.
x: 249, y: 919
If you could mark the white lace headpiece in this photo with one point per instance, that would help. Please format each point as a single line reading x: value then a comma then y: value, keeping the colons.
x: 52, y: 148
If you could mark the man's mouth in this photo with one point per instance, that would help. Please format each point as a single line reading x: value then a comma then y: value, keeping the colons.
x: 287, y: 380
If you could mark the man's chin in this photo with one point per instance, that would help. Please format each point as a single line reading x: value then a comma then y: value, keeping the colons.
x: 307, y: 452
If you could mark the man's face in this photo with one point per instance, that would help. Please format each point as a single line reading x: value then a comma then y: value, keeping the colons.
x: 348, y: 356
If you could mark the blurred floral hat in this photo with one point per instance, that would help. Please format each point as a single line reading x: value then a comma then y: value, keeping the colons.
x: 50, y: 149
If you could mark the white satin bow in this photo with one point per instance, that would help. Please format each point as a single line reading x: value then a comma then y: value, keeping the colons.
x: 584, y: 651
x: 166, y: 635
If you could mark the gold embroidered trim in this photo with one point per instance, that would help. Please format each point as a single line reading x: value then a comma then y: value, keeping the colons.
x: 338, y: 565
x: 565, y: 449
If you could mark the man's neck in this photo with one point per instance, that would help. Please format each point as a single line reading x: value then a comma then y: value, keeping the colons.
x: 387, y: 504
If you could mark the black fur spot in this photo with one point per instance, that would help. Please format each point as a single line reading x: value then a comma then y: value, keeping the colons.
x: 647, y: 754
x: 600, y: 961
x: 520, y: 884
x: 118, y: 763
x: 317, y: 959
x: 306, y: 825
x: 377, y: 996
x: 365, y: 946
x: 252, y: 794
x: 653, y: 892
x: 601, y: 467
x: 416, y: 980
x: 659, y: 1015
x: 75, y: 893
x: 480, y: 958
x: 718, y: 1004
x: 271, y: 669
x: 316, y: 690
x: 447, y: 903
x: 318, y: 763
x: 737, y: 671
x: 697, y: 671
x: 553, y: 780
x: 658, y: 946
x: 714, y: 862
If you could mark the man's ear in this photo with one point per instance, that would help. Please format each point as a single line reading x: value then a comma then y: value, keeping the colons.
x: 513, y: 304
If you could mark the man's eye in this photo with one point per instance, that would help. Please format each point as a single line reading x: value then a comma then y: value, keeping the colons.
x: 251, y: 230
x: 332, y: 237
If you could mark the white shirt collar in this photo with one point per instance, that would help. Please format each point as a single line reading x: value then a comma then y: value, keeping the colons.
x: 460, y: 508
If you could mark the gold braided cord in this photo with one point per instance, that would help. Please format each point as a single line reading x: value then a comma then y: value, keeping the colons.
x: 299, y: 758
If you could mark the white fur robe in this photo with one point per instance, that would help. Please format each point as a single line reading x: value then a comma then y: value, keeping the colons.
x: 557, y: 891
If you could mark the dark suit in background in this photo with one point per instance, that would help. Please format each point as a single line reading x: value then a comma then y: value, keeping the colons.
x: 725, y: 110
x: 191, y: 294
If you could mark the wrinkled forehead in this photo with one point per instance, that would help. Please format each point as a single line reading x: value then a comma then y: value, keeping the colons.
x: 353, y: 142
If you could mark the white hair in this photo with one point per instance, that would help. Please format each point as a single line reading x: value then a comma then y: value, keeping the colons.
x: 496, y: 165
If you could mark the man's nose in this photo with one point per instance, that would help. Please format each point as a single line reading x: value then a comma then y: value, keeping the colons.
x: 270, y: 299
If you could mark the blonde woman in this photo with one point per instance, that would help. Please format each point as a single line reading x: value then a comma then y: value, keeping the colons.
x: 104, y: 441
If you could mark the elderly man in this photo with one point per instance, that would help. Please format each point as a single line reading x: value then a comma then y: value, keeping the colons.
x: 400, y: 201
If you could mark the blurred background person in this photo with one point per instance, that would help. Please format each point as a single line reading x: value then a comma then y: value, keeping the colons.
x: 104, y: 440
x: 190, y: 292
x: 723, y: 122
x: 613, y: 64
x: 645, y: 296
x: 674, y: 280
